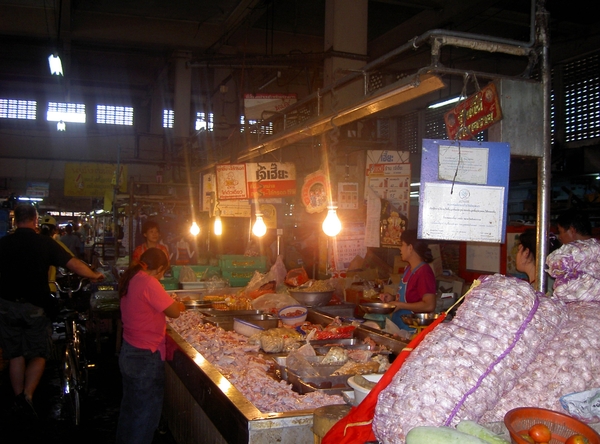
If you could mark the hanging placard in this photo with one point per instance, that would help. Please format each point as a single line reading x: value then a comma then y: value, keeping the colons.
x: 271, y: 179
x: 388, y: 176
x: 464, y: 191
x: 476, y: 113
x: 315, y: 192
x: 231, y: 181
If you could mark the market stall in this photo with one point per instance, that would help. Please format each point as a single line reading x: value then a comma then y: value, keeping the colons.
x: 202, y: 405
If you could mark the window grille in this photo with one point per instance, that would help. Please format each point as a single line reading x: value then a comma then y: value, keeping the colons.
x: 204, y: 121
x: 18, y: 109
x: 168, y: 118
x: 114, y: 115
x: 67, y: 112
x: 408, y: 132
x: 582, y: 98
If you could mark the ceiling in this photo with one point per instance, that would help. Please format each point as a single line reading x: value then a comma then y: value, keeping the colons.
x: 125, y: 47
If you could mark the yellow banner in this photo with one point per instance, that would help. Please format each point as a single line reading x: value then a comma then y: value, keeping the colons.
x: 93, y: 179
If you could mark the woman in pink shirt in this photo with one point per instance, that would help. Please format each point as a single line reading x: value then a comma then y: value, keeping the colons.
x: 144, y: 304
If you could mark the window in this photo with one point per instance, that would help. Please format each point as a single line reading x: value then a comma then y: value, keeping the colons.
x: 18, y: 109
x: 582, y: 99
x: 67, y: 112
x: 168, y: 118
x: 204, y: 121
x: 114, y: 115
x: 256, y: 127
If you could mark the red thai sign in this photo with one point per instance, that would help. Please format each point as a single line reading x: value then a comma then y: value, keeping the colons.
x: 271, y: 179
x: 473, y: 115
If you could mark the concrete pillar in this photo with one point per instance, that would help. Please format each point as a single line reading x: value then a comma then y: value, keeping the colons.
x: 345, y: 32
x: 182, y: 95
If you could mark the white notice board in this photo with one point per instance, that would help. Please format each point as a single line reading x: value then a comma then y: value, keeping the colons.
x: 483, y: 256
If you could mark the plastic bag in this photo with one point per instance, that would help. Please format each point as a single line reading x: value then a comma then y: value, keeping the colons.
x: 296, y: 277
x: 273, y: 302
x: 279, y: 271
x: 186, y: 274
x: 584, y: 406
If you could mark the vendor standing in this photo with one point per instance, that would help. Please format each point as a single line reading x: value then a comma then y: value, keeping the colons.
x: 417, y: 289
x: 151, y: 232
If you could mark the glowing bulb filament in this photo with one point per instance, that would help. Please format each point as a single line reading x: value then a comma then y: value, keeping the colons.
x: 195, y: 229
x: 332, y: 225
x: 218, y: 227
x: 259, y: 229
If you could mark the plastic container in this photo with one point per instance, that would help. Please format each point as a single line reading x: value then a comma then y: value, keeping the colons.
x: 519, y: 421
x: 245, y: 328
x: 287, y: 319
x: 360, y: 392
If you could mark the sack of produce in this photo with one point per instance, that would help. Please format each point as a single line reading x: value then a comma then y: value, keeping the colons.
x: 462, y: 368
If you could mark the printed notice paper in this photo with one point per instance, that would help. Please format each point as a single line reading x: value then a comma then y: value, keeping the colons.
x: 462, y: 212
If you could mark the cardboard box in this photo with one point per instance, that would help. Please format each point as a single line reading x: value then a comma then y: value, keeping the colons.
x: 451, y: 284
x: 436, y: 265
x: 399, y: 265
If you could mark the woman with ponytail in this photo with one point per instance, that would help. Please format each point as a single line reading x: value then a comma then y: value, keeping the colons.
x: 144, y: 304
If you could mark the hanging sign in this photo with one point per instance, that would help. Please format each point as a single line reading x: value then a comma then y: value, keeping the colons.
x: 93, y: 179
x: 476, y: 113
x: 464, y: 190
x: 271, y: 179
x: 315, y: 192
x: 257, y: 104
x: 348, y: 195
x: 388, y: 176
x: 231, y: 181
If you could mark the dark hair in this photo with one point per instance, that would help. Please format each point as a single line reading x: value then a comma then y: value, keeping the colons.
x: 420, y: 246
x: 152, y: 259
x: 69, y: 228
x: 528, y: 239
x: 47, y: 229
x: 148, y: 225
x: 577, y: 219
x: 25, y: 213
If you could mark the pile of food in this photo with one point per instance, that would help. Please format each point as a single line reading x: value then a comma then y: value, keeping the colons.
x: 507, y: 347
x: 237, y: 358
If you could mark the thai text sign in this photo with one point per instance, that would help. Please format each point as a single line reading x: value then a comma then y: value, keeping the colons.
x: 263, y: 106
x: 231, y: 181
x: 271, y: 179
x: 93, y: 179
x: 473, y: 115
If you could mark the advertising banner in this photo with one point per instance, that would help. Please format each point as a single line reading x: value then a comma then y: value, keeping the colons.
x: 93, y: 179
x: 231, y: 181
x: 271, y: 179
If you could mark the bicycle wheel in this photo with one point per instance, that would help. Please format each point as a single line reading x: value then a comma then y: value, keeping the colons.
x: 79, y: 347
x: 70, y: 388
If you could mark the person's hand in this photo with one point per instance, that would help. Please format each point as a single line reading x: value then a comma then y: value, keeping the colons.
x: 98, y: 277
x: 386, y: 297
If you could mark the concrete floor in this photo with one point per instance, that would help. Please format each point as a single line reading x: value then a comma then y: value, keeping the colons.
x: 100, y: 409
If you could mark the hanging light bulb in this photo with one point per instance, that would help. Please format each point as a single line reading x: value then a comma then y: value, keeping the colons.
x: 332, y: 225
x: 218, y: 227
x: 195, y: 229
x: 55, y: 65
x: 259, y: 229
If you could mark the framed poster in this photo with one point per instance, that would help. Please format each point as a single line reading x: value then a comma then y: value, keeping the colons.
x: 315, y: 192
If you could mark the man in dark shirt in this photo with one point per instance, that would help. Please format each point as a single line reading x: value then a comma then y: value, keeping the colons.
x: 25, y: 330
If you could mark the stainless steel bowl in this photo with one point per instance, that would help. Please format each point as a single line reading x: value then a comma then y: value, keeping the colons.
x: 420, y: 319
x: 312, y: 298
x: 377, y: 307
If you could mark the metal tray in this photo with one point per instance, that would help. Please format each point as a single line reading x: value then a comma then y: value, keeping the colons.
x: 229, y: 313
x: 226, y: 322
x: 330, y: 385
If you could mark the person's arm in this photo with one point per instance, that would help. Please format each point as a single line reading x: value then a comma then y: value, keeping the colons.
x: 425, y: 305
x: 81, y: 268
x: 174, y: 310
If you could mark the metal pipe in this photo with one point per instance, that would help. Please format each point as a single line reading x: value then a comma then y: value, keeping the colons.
x: 544, y: 163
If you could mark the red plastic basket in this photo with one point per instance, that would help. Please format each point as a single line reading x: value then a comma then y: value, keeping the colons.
x: 519, y: 421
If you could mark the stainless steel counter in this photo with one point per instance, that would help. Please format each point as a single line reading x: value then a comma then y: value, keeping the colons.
x: 202, y: 406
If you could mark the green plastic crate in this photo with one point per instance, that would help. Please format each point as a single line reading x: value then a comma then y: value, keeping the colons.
x: 238, y: 277
x: 170, y: 284
x: 231, y: 261
x: 198, y: 270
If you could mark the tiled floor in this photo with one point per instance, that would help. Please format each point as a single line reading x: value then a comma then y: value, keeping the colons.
x: 100, y: 409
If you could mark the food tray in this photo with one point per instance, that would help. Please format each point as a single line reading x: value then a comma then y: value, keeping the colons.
x: 230, y: 313
x: 330, y: 385
x: 226, y: 322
